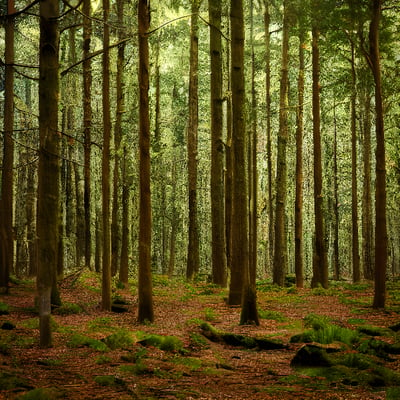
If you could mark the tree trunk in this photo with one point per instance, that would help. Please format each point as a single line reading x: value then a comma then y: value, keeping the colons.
x: 49, y: 166
x: 105, y: 169
x: 193, y: 257
x: 354, y: 196
x: 115, y: 224
x: 381, y: 240
x: 253, y: 173
x: 336, y: 259
x: 280, y: 252
x: 367, y: 226
x: 320, y: 264
x: 271, y: 215
x: 7, y: 176
x: 217, y: 149
x: 87, y: 122
x: 298, y: 208
x: 145, y: 312
x: 240, y: 229
x: 124, y: 265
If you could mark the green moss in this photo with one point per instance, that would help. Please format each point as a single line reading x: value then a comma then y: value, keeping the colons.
x: 108, y: 380
x: 272, y: 315
x: 79, y: 340
x: 10, y: 381
x: 68, y: 309
x: 43, y: 394
x: 209, y: 314
x: 4, y: 308
x: 166, y: 343
x: 122, y: 339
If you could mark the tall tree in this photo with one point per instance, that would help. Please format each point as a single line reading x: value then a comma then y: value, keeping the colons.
x: 381, y: 240
x: 271, y: 216
x: 241, y: 289
x: 105, y: 168
x: 49, y: 166
x: 145, y: 291
x: 354, y: 190
x: 115, y: 224
x: 252, y: 167
x: 298, y: 209
x: 218, y: 249
x: 280, y: 252
x: 193, y: 256
x: 87, y: 122
x: 320, y: 260
x: 7, y: 176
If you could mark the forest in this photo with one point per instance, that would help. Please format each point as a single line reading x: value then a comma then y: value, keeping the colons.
x: 202, y: 192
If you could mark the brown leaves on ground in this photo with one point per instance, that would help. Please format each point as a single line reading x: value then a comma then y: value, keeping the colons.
x: 199, y: 368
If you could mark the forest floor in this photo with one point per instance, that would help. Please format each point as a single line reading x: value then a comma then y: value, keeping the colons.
x: 108, y: 355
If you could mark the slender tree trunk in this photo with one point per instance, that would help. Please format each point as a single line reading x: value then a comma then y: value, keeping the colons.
x: 87, y: 122
x: 320, y: 265
x: 354, y: 196
x: 145, y: 312
x: 193, y: 257
x: 280, y: 252
x: 49, y: 166
x: 106, y: 264
x: 253, y: 173
x: 115, y: 224
x: 124, y: 265
x: 381, y: 240
x: 217, y: 149
x: 271, y: 216
x: 228, y: 161
x: 7, y: 176
x: 298, y: 209
x: 336, y: 260
x: 367, y: 226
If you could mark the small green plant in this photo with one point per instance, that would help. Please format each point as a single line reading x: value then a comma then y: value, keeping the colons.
x: 393, y: 393
x: 103, y: 359
x: 198, y: 341
x: 43, y: 394
x: 4, y: 308
x: 272, y: 315
x: 122, y: 339
x: 192, y: 363
x: 166, y: 343
x: 100, y: 323
x: 108, y: 380
x: 209, y: 314
x: 78, y: 340
x: 69, y: 309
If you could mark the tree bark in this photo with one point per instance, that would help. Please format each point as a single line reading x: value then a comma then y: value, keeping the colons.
x: 298, y: 208
x: 280, y: 252
x: 320, y: 264
x: 7, y: 176
x: 49, y: 166
x: 145, y: 312
x: 115, y: 224
x: 105, y: 167
x: 381, y: 240
x: 193, y: 257
x: 87, y: 123
x: 354, y: 190
x: 218, y: 249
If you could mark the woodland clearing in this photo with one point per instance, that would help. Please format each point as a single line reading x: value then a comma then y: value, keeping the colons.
x: 108, y: 355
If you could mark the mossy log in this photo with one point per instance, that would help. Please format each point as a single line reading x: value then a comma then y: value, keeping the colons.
x: 237, y: 340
